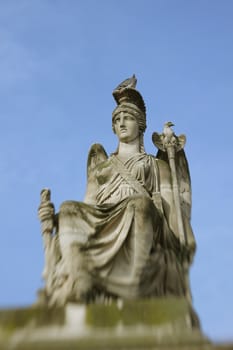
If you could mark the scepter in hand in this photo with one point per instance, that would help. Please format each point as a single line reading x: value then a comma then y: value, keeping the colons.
x: 46, y: 214
x: 170, y: 143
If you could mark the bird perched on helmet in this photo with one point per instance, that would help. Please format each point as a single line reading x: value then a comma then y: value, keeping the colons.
x: 127, y: 83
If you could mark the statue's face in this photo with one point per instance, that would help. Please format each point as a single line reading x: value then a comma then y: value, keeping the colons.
x: 126, y: 127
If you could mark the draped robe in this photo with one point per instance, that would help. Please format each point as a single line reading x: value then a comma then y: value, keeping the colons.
x: 127, y: 234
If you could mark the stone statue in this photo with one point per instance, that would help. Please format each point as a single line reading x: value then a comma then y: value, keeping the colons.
x: 131, y: 236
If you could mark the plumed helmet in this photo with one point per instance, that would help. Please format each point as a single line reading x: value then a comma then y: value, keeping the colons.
x: 128, y: 99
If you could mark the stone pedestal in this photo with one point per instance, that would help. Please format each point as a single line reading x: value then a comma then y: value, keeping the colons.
x: 167, y: 323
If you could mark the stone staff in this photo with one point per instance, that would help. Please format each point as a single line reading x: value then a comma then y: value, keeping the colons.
x: 170, y: 143
x: 46, y: 213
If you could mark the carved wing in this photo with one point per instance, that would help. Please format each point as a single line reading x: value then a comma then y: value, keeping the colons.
x: 180, y: 142
x: 184, y: 180
x: 96, y: 155
x: 158, y: 140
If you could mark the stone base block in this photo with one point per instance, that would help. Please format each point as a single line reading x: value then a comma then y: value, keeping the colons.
x: 166, y: 323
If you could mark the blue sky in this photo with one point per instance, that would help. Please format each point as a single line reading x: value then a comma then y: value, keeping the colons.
x: 59, y: 62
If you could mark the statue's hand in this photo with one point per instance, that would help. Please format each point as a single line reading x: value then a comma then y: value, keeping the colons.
x: 46, y: 212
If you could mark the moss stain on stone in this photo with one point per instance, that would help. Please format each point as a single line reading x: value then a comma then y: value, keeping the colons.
x: 147, y: 312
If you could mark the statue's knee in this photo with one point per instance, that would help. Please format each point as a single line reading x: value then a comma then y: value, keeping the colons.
x: 70, y: 228
x: 69, y: 208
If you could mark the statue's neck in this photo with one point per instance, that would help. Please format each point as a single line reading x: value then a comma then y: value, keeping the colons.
x: 126, y: 150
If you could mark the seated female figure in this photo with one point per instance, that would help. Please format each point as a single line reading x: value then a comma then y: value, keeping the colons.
x: 123, y: 240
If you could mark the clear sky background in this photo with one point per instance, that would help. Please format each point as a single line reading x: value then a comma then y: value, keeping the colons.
x: 59, y: 62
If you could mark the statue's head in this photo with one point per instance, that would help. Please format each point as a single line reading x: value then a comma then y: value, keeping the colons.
x: 130, y: 101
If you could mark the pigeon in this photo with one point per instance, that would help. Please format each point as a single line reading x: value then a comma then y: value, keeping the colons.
x: 128, y: 83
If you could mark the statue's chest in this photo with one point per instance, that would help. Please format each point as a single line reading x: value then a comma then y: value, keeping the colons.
x: 140, y: 170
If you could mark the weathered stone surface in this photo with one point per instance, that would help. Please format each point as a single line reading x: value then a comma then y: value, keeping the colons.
x: 117, y: 264
x: 131, y: 237
x: 168, y: 323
